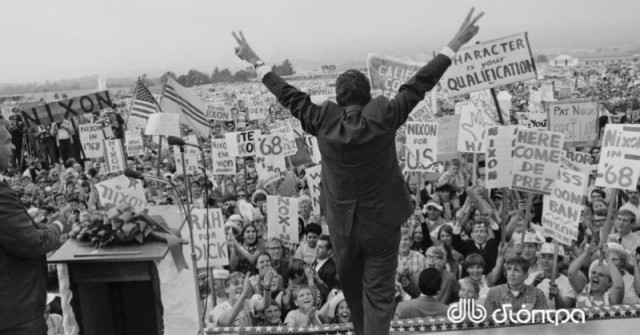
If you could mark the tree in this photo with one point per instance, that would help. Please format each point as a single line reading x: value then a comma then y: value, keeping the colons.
x: 64, y: 96
x: 164, y: 77
x: 542, y: 59
x: 215, y: 76
x: 243, y: 75
x: 56, y: 96
x: 286, y: 69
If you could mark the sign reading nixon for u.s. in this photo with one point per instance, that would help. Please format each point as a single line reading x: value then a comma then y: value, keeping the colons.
x: 490, y: 64
x: 66, y: 109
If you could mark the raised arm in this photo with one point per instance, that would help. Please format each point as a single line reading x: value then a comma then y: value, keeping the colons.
x: 299, y: 103
x: 576, y: 278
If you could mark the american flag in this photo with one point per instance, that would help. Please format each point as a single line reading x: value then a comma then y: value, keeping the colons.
x: 143, y: 103
x: 177, y: 99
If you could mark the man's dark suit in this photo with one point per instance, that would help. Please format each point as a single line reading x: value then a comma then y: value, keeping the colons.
x: 364, y: 197
x: 23, y: 266
x: 327, y: 272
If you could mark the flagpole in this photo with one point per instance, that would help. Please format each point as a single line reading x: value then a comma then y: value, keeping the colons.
x: 126, y: 122
x: 160, y: 136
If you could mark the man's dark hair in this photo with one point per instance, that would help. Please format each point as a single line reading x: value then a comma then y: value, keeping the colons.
x: 313, y: 228
x: 518, y: 261
x: 353, y: 88
x: 326, y: 239
x: 429, y: 281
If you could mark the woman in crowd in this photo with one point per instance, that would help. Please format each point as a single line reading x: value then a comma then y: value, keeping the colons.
x: 243, y: 255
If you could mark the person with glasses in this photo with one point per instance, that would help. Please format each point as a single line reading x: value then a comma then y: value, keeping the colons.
x: 278, y: 263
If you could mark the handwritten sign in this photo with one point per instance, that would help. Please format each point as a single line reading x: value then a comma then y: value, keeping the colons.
x: 219, y: 112
x: 499, y: 161
x: 422, y: 146
x: 258, y: 108
x: 577, y: 119
x: 577, y: 161
x: 122, y: 191
x: 387, y: 74
x: 313, y: 175
x: 282, y: 216
x: 537, y: 157
x: 490, y: 64
x: 136, y: 122
x: 191, y: 158
x: 270, y: 168
x: 114, y: 158
x: 214, y: 245
x: 563, y: 207
x: 91, y: 137
x: 619, y: 165
x: 484, y: 102
x: 283, y: 144
x: 448, y: 128
x: 167, y: 124
x: 537, y: 116
x: 223, y: 162
x: 242, y: 144
x: 134, y: 143
x: 473, y: 123
x: 66, y: 109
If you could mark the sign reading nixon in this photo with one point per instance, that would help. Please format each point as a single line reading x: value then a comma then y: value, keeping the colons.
x: 66, y: 109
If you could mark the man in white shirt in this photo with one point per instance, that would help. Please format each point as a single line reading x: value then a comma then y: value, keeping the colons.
x: 623, y: 235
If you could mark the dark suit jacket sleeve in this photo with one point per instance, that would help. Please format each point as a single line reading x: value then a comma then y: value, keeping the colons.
x: 412, y: 92
x: 19, y: 235
x: 458, y: 244
x: 299, y: 103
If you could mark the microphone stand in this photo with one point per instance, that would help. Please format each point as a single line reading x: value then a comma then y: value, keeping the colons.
x: 193, y: 250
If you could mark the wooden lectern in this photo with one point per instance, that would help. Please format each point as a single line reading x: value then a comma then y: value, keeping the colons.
x: 116, y: 289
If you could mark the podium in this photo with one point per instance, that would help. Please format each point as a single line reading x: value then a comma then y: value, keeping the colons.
x: 116, y: 289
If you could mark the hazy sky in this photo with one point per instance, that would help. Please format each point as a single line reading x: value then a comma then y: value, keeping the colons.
x: 69, y: 38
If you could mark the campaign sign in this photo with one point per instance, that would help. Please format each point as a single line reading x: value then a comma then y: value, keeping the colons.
x: 223, y: 162
x: 577, y: 119
x: 563, y: 207
x: 209, y: 237
x: 387, y: 74
x: 282, y: 218
x: 422, y: 146
x: 66, y: 109
x: 490, y: 64
x: 537, y: 157
x: 91, y: 137
x: 619, y: 165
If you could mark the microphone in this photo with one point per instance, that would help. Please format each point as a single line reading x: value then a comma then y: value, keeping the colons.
x: 175, y: 140
x: 133, y: 174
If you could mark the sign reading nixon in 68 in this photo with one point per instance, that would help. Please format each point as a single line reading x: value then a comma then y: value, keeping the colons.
x: 490, y: 64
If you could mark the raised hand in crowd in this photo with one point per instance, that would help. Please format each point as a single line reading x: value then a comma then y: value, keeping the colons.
x: 244, y: 51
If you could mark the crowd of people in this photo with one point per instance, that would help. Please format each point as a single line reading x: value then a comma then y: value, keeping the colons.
x: 450, y: 249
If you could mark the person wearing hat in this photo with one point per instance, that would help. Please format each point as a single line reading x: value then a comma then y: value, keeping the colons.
x: 432, y: 213
x: 621, y: 259
x: 427, y: 304
x: 603, y: 286
x: 528, y: 249
x: 560, y: 294
x: 335, y: 310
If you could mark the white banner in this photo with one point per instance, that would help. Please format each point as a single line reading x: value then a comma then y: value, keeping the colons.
x: 562, y: 208
x: 134, y: 143
x: 242, y: 144
x: 223, y: 162
x: 490, y: 64
x: 422, y: 146
x: 577, y: 119
x: 577, y: 161
x: 166, y: 124
x: 122, y: 191
x: 619, y: 165
x: 282, y: 216
x: 499, y: 161
x: 92, y: 137
x: 114, y: 157
x: 313, y: 181
x: 217, y: 246
x: 537, y: 157
x: 473, y: 124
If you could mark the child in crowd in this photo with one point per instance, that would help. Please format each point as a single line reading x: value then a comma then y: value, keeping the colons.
x: 306, y: 314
